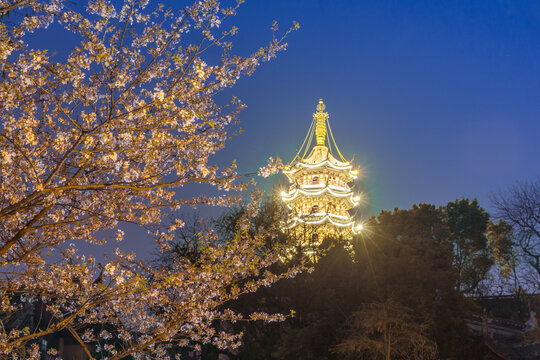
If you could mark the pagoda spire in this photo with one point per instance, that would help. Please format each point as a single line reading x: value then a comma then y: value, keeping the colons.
x: 320, y: 129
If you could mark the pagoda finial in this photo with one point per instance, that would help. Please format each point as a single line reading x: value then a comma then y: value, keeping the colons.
x: 320, y: 116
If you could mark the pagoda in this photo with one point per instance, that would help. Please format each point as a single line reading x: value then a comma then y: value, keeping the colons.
x: 319, y: 196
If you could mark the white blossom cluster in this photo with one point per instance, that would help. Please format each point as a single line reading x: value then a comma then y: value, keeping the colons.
x: 110, y: 135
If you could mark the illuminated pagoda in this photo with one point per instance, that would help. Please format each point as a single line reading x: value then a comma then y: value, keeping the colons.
x: 319, y: 194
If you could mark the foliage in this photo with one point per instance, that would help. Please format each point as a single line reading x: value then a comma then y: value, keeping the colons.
x: 322, y: 301
x: 412, y: 256
x: 386, y: 331
x: 500, y: 236
x: 403, y: 265
x: 467, y: 224
x: 107, y: 136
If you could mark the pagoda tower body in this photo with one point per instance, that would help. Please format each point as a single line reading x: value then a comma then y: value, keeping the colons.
x: 319, y: 196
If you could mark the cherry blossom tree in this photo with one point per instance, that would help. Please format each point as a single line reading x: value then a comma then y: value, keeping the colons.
x: 110, y: 135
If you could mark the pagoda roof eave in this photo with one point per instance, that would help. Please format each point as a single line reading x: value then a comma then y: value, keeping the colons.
x: 296, y: 164
x: 354, y: 199
x: 294, y: 168
x: 355, y: 228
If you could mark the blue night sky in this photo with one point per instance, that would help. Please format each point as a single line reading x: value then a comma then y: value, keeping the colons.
x: 435, y: 100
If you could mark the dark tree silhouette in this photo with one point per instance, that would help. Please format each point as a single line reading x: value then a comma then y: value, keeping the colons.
x: 520, y: 207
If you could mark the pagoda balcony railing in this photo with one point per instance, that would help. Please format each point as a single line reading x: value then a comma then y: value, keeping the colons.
x: 313, y: 185
x: 322, y: 181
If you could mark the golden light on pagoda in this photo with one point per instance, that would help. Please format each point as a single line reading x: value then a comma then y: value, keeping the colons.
x: 319, y: 195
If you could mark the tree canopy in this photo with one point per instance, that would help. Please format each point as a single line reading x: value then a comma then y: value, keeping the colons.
x: 404, y: 278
